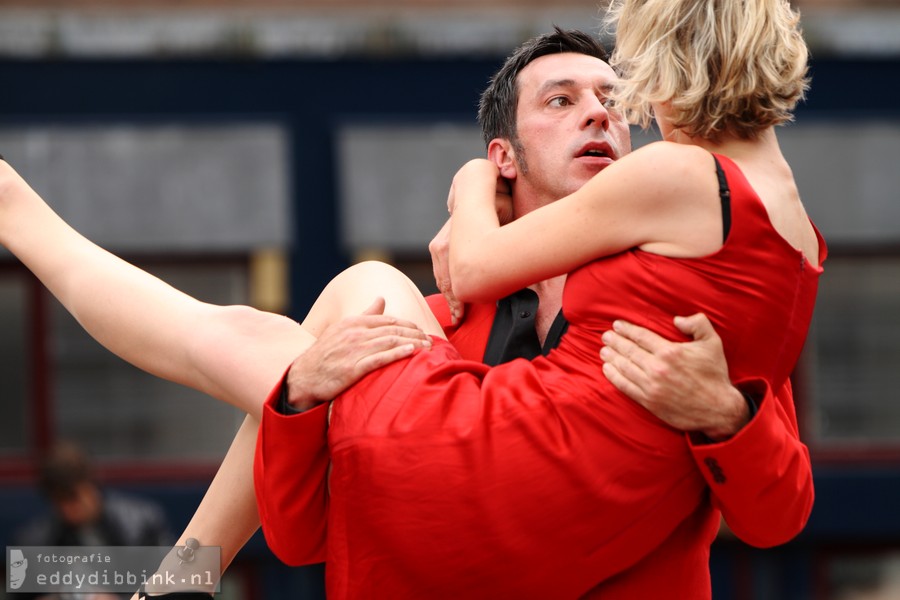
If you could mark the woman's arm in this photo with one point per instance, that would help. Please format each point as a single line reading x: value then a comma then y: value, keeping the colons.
x: 662, y: 198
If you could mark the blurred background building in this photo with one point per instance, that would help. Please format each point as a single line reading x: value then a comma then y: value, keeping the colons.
x: 247, y: 150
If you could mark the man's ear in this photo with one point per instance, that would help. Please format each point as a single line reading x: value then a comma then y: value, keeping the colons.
x: 502, y: 154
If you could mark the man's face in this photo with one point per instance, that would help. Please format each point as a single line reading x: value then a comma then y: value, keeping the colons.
x: 565, y: 130
x: 18, y: 566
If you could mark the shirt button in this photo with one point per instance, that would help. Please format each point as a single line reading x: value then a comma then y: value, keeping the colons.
x: 524, y: 314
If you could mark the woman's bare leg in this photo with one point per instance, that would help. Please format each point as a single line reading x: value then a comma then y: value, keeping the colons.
x: 234, y: 354
x: 226, y: 517
x: 229, y: 493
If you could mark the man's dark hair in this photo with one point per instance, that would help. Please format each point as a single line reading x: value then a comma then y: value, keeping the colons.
x: 497, y: 109
x: 63, y: 469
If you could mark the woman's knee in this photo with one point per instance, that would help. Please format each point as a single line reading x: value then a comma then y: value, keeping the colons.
x: 354, y: 289
x: 373, y: 270
x: 370, y: 279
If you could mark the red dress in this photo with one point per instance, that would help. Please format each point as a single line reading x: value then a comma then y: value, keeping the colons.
x: 539, y: 479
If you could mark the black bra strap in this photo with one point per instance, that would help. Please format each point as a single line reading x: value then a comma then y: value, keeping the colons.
x: 725, y: 197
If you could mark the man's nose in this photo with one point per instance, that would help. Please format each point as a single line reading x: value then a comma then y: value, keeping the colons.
x: 596, y: 114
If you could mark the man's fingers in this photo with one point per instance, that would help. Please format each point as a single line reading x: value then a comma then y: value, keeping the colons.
x: 697, y: 326
x: 406, y: 329
x: 380, y: 359
x: 386, y: 341
x: 641, y: 336
x: 624, y: 362
x: 361, y: 341
x: 626, y: 347
x: 376, y: 322
x: 622, y: 383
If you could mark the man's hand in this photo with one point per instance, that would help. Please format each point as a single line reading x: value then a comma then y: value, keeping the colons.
x: 348, y: 350
x: 684, y: 384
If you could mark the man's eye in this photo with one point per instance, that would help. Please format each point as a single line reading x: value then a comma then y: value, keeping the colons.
x: 559, y: 101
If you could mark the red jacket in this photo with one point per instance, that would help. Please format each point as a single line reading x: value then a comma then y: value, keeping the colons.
x: 760, y: 480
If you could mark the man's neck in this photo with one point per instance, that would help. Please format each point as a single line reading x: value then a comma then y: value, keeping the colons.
x: 549, y: 292
x: 525, y: 200
x: 550, y: 302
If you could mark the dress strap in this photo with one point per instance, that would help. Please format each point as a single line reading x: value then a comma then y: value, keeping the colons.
x: 725, y: 197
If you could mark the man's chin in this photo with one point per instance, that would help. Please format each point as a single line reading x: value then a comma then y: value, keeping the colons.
x: 585, y: 174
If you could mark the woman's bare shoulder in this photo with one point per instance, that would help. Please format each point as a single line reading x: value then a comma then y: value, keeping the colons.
x: 665, y: 155
x: 668, y: 167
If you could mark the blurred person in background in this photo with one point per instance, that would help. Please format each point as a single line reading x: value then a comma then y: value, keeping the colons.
x: 82, y: 513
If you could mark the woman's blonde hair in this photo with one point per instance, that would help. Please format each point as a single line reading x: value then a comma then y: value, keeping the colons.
x: 725, y: 66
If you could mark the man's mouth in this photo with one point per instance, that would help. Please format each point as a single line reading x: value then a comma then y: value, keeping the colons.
x: 596, y: 150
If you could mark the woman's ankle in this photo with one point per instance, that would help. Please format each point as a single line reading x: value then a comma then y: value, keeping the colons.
x: 187, y: 569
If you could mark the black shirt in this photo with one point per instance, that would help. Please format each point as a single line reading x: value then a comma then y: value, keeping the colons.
x: 513, y: 334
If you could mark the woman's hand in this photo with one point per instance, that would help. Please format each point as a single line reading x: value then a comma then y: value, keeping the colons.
x: 474, y: 177
x: 439, y: 248
x: 478, y: 174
